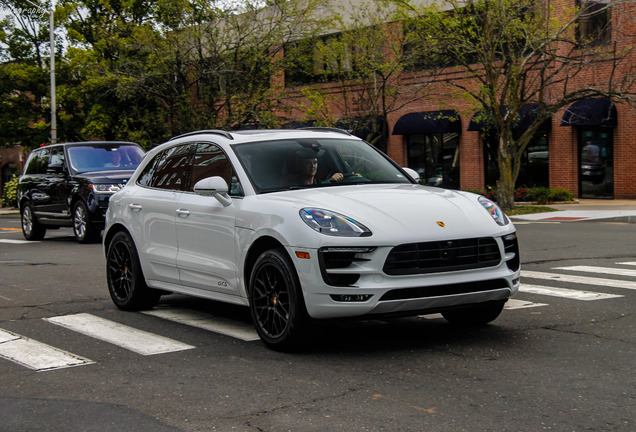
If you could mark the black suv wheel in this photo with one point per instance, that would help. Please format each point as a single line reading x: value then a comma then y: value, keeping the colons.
x: 31, y: 228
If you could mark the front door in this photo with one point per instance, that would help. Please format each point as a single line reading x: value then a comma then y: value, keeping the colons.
x: 206, y: 229
x: 596, y: 167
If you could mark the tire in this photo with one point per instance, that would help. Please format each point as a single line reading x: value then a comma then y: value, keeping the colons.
x: 31, y: 228
x: 126, y: 283
x: 475, y: 315
x: 83, y: 228
x: 277, y: 306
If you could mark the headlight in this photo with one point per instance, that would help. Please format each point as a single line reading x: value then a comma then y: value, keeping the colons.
x: 494, y: 210
x: 105, y: 188
x: 333, y: 224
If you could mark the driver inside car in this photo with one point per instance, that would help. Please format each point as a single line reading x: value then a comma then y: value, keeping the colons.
x: 304, y: 168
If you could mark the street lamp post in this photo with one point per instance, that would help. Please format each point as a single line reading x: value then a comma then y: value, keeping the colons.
x: 52, y: 50
x: 53, y: 104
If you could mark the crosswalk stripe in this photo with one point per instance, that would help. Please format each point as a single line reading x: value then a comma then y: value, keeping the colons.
x: 579, y: 279
x: 513, y: 304
x: 603, y: 270
x: 633, y: 263
x: 36, y: 355
x: 207, y: 322
x: 10, y: 241
x: 138, y: 341
x: 566, y: 293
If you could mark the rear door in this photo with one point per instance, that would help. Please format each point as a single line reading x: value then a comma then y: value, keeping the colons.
x: 152, y: 212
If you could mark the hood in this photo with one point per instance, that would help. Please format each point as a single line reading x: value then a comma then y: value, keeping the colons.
x: 408, y: 212
x: 119, y: 176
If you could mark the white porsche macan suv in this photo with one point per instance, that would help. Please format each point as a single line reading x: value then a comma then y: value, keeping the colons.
x: 303, y: 225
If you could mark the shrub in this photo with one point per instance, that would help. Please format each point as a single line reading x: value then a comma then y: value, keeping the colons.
x: 10, y: 193
x: 539, y: 195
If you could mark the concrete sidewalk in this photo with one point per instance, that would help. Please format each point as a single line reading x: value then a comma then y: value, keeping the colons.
x: 586, y: 210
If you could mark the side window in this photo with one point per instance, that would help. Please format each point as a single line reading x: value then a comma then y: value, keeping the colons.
x: 170, y: 169
x: 38, y: 162
x: 57, y: 158
x: 210, y: 161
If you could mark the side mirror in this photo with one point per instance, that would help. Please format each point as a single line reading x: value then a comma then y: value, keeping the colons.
x: 215, y: 187
x: 412, y: 173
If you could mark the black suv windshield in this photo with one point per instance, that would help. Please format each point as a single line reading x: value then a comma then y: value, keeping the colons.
x: 299, y: 163
x: 90, y: 158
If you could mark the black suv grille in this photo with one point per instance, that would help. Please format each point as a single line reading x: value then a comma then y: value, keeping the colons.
x: 442, y: 256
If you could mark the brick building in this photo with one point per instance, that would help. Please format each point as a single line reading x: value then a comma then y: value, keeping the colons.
x: 588, y: 148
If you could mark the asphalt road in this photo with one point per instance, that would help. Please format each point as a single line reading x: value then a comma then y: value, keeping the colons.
x: 561, y: 357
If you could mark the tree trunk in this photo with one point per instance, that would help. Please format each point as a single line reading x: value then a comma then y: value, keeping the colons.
x: 506, y: 182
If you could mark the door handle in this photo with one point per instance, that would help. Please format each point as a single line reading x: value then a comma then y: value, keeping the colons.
x: 183, y: 212
x: 135, y: 206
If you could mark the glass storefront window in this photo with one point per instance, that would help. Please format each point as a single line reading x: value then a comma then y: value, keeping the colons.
x: 436, y: 158
x: 534, y: 170
x: 596, y: 174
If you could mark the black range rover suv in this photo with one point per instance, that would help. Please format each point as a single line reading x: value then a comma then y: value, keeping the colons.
x: 69, y: 185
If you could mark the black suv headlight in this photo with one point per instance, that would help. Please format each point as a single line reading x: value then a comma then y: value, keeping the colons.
x: 106, y: 188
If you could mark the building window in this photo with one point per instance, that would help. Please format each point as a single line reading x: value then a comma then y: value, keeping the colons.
x: 535, y: 161
x: 594, y: 24
x: 436, y: 158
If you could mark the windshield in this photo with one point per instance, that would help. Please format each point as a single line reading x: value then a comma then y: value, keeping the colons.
x: 101, y: 157
x: 300, y: 163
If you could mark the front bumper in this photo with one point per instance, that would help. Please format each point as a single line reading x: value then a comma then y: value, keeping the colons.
x: 367, y: 290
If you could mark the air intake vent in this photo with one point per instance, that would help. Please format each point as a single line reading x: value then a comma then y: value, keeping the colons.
x: 442, y: 256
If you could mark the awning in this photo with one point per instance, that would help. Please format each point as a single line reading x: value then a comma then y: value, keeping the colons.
x: 428, y: 122
x: 481, y: 121
x: 590, y: 112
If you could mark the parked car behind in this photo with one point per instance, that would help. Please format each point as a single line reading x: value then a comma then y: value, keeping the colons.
x: 69, y: 185
x: 302, y: 225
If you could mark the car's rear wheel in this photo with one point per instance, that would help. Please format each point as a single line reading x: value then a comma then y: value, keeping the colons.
x: 84, y: 230
x: 125, y: 278
x: 277, y: 305
x: 475, y: 315
x: 31, y: 228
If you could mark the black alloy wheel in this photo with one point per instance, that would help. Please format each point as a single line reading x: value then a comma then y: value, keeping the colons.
x: 276, y: 301
x: 126, y: 282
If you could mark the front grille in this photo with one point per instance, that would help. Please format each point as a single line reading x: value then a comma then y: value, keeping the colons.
x: 445, y: 290
x: 442, y: 256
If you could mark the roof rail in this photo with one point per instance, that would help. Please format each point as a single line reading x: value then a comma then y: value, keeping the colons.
x: 326, y: 129
x: 206, y: 131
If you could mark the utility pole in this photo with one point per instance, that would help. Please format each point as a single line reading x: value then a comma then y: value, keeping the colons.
x: 52, y: 57
x: 53, y: 103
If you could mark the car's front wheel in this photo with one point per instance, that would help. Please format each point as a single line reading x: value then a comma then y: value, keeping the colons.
x: 277, y: 305
x: 125, y: 278
x: 475, y: 315
x: 83, y: 228
x: 31, y: 228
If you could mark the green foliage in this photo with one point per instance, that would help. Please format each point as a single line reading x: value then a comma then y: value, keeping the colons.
x: 538, y: 195
x: 10, y: 193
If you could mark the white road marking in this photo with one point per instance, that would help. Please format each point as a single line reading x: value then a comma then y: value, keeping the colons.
x: 513, y: 304
x: 36, y: 355
x: 628, y: 263
x: 603, y: 270
x: 566, y: 293
x: 138, y: 341
x: 579, y: 279
x: 10, y: 241
x: 207, y: 322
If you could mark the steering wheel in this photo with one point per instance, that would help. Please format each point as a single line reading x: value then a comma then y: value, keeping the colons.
x: 349, y: 177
